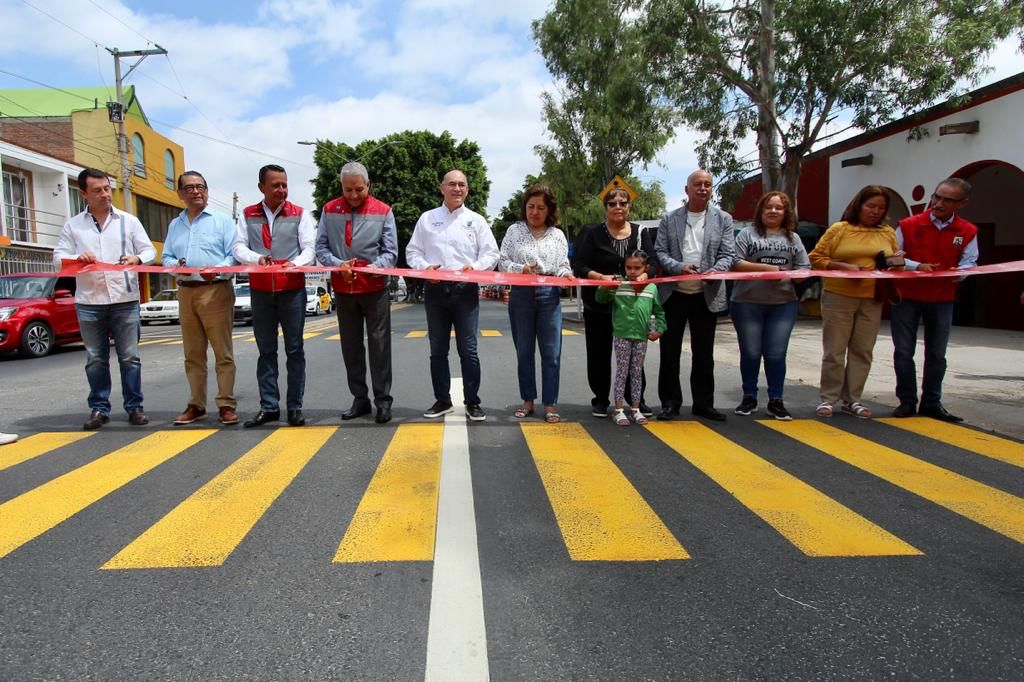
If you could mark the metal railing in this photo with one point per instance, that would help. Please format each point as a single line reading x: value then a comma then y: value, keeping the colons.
x: 14, y: 260
x: 24, y: 224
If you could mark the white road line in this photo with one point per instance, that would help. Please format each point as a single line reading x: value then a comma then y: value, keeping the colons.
x: 456, y: 636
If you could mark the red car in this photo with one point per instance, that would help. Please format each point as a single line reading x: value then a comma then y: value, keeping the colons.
x: 37, y: 312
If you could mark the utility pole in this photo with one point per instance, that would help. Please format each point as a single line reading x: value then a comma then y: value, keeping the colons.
x: 117, y: 115
x: 234, y: 205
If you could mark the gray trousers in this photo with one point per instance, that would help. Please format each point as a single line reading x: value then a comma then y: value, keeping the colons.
x: 373, y: 311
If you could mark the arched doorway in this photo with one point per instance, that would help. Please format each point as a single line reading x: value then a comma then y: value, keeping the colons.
x: 994, y: 300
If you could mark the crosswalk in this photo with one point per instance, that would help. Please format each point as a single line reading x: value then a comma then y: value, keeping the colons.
x: 601, y: 515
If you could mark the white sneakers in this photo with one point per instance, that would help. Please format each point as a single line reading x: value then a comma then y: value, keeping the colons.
x: 6, y: 438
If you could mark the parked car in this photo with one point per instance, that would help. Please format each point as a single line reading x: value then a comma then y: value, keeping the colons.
x: 317, y: 300
x: 161, y: 308
x: 37, y: 312
x: 243, y: 304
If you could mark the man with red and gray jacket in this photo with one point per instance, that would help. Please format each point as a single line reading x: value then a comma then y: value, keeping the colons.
x: 272, y: 233
x: 938, y: 239
x: 357, y: 229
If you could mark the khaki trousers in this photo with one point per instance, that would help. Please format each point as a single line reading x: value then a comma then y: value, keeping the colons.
x: 207, y: 317
x: 848, y: 332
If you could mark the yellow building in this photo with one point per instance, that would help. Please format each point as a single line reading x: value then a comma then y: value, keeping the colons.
x: 73, y: 125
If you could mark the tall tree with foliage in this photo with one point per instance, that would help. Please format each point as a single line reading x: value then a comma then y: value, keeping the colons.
x: 606, y: 119
x: 405, y: 169
x: 782, y: 70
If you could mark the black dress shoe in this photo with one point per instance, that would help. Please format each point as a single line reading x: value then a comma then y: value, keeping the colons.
x: 295, y: 418
x: 383, y: 415
x: 137, y: 417
x: 668, y: 413
x: 357, y: 410
x: 709, y: 413
x: 937, y: 411
x: 96, y: 420
x: 905, y: 410
x: 262, y: 417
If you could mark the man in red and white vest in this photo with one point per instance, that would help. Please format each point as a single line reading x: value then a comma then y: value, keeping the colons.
x: 357, y: 230
x: 272, y: 233
x: 938, y: 239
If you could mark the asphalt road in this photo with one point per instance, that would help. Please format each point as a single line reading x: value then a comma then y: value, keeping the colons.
x: 840, y: 549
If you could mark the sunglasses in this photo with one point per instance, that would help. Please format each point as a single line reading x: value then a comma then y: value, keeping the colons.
x: 613, y: 204
x: 188, y: 189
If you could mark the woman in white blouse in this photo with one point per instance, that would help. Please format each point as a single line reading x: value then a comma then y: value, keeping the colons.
x: 534, y: 246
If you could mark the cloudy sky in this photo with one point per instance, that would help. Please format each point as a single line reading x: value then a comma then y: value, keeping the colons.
x: 266, y: 74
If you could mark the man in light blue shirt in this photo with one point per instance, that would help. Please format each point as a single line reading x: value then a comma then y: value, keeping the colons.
x: 199, y: 237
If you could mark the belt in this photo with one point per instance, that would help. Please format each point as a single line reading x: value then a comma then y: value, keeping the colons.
x: 192, y: 283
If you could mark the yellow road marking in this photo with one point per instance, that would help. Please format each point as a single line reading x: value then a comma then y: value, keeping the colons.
x: 310, y: 335
x: 490, y: 332
x: 814, y: 522
x: 419, y: 334
x: 334, y: 337
x: 149, y: 343
x: 601, y: 515
x: 995, y: 509
x: 33, y: 513
x: 33, y: 446
x: 985, y: 444
x: 205, y: 528
x: 569, y: 332
x: 397, y: 518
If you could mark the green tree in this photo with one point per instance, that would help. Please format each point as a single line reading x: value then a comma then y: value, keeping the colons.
x: 405, y: 171
x: 782, y: 70
x: 606, y: 119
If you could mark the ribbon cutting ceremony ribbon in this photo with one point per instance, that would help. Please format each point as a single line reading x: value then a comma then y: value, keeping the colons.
x: 74, y: 267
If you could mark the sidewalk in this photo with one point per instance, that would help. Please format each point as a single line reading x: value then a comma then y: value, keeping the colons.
x: 984, y: 381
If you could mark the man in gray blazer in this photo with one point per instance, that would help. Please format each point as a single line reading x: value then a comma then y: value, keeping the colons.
x: 695, y: 238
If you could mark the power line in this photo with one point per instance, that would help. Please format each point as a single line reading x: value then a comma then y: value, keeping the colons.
x: 67, y: 26
x: 120, y: 21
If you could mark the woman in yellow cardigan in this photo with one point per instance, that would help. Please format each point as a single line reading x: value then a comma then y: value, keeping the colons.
x: 849, y: 312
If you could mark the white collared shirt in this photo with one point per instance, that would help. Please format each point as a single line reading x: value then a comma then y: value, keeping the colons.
x: 120, y: 235
x: 693, y: 247
x: 452, y: 240
x: 307, y: 237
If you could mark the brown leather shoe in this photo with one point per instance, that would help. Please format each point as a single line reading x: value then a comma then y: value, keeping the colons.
x: 192, y: 413
x: 228, y: 415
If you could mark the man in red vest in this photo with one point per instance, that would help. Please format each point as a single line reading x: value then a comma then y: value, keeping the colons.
x: 938, y: 239
x: 272, y: 233
x: 357, y: 229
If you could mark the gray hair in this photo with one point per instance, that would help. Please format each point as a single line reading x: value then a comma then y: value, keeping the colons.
x: 959, y: 183
x: 355, y: 168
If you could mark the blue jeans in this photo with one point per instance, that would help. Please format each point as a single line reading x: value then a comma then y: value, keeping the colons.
x: 536, y: 317
x: 287, y: 308
x: 98, y: 323
x: 451, y: 304
x: 763, y: 330
x: 904, y: 319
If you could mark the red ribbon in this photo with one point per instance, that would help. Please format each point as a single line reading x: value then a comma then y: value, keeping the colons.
x: 74, y: 267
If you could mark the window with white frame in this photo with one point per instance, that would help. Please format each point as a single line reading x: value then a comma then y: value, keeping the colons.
x: 138, y: 155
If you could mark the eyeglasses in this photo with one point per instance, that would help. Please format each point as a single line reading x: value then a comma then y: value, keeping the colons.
x: 938, y: 198
x: 189, y: 189
x: 613, y: 204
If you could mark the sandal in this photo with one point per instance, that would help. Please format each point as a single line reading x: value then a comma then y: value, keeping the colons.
x: 824, y: 409
x: 620, y: 418
x: 857, y: 410
x: 552, y: 417
x: 523, y: 412
x: 639, y: 418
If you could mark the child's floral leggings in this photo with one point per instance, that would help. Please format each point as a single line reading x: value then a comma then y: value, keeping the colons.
x: 629, y: 364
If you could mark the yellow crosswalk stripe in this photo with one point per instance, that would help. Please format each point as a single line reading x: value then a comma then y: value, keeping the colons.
x: 985, y: 444
x: 33, y: 513
x: 205, y: 528
x: 34, y: 446
x: 490, y: 332
x: 993, y: 508
x: 310, y: 335
x: 334, y: 337
x: 601, y: 515
x: 397, y: 518
x: 818, y: 525
x: 155, y: 341
x: 419, y: 334
x: 569, y: 332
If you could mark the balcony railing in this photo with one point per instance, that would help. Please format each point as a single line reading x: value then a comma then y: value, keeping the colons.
x: 28, y: 225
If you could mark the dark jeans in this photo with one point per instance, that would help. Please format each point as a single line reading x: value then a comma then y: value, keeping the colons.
x: 455, y: 305
x: 372, y: 310
x: 598, y: 333
x: 287, y: 309
x: 536, y: 317
x: 763, y: 330
x: 681, y: 308
x: 98, y: 323
x: 904, y: 319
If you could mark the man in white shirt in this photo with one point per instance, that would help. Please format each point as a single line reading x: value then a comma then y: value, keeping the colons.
x: 452, y: 237
x: 276, y: 232
x: 107, y: 303
x: 698, y: 237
